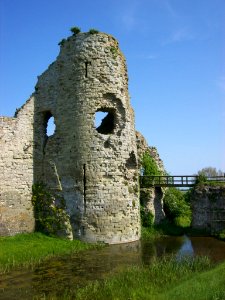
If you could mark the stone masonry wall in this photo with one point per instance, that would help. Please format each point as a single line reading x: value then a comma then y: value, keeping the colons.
x: 16, y: 171
x: 142, y: 147
x: 93, y: 169
x: 208, y: 208
x: 151, y: 198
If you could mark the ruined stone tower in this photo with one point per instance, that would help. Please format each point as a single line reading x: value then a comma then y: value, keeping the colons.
x: 94, y: 170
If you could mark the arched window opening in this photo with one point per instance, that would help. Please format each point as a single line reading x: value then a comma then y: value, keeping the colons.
x: 50, y: 130
x: 49, y: 124
x: 104, y: 121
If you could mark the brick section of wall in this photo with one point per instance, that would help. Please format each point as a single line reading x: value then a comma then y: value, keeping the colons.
x: 16, y: 171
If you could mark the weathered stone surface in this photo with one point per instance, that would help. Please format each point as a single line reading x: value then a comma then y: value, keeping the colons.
x: 152, y: 201
x: 142, y: 147
x: 208, y: 208
x: 16, y: 171
x: 93, y: 169
x: 151, y: 198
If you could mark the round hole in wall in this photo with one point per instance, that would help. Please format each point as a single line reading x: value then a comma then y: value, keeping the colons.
x: 104, y: 121
x: 99, y: 116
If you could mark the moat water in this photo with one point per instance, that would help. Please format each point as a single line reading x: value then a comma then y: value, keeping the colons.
x: 64, y: 273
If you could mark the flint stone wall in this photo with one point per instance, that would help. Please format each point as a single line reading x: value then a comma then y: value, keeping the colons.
x: 142, y: 147
x: 94, y: 170
x: 208, y: 208
x: 151, y: 198
x: 16, y: 171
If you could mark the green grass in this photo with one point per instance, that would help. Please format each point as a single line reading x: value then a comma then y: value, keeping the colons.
x: 164, y: 228
x: 165, y: 278
x: 167, y: 228
x: 211, y: 183
x: 150, y: 233
x: 221, y: 235
x: 207, y: 285
x: 28, y: 250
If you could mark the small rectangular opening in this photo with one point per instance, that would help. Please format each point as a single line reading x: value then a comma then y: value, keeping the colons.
x: 86, y: 68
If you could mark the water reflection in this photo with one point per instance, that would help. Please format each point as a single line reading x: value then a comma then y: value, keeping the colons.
x: 77, y: 270
x: 160, y: 247
x: 186, y: 248
x: 207, y: 246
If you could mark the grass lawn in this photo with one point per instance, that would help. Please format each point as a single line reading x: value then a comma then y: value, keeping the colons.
x: 28, y: 250
x: 164, y: 279
x: 207, y: 285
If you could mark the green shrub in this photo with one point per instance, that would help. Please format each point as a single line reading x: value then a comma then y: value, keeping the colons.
x: 202, y: 179
x: 49, y: 211
x: 188, y: 195
x: 150, y: 168
x: 75, y: 30
x: 167, y: 227
x: 114, y: 51
x: 147, y: 218
x: 221, y: 235
x: 182, y: 221
x: 176, y: 208
x: 93, y: 31
x: 62, y: 42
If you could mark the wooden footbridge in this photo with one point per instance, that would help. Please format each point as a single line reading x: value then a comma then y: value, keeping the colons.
x: 176, y: 181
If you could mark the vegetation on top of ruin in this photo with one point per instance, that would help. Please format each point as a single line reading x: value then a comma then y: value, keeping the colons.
x: 62, y: 42
x: 204, y: 181
x: 93, y: 31
x: 75, y: 30
x: 205, y: 174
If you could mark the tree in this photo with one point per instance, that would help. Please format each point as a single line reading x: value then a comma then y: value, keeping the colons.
x: 210, y: 172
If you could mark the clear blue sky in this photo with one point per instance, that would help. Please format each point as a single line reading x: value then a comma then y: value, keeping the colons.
x: 175, y: 51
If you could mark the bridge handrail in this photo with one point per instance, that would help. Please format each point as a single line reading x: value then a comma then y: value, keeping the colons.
x: 176, y: 180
